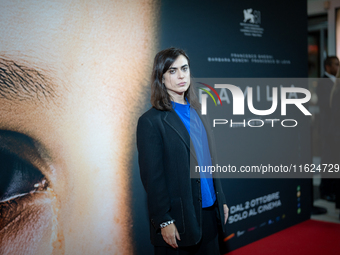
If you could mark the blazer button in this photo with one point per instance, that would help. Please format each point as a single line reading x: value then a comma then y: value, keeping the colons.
x: 198, y: 181
x: 200, y: 199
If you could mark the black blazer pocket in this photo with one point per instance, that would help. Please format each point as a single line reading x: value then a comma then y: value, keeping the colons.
x: 176, y: 213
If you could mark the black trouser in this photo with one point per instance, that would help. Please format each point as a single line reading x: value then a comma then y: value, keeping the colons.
x: 330, y: 155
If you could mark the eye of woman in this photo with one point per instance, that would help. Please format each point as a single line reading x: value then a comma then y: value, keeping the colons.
x: 18, y: 176
x: 172, y: 71
x: 185, y: 68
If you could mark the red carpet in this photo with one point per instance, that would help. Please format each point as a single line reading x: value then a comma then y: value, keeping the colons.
x: 309, y: 237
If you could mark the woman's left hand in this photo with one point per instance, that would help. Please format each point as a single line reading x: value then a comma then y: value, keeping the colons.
x: 226, y: 213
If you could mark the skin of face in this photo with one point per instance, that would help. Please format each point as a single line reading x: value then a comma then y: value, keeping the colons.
x: 88, y: 62
x: 177, y: 79
x: 333, y: 68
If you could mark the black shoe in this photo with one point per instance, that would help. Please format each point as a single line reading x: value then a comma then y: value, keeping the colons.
x: 317, y: 210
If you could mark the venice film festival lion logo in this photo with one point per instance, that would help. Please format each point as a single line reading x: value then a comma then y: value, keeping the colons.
x: 252, y: 16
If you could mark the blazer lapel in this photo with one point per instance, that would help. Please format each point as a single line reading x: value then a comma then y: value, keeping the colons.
x: 175, y: 122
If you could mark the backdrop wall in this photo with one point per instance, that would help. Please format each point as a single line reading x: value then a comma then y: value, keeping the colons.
x: 73, y: 82
x: 245, y: 39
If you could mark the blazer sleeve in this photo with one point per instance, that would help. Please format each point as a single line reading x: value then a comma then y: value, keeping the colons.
x: 150, y: 159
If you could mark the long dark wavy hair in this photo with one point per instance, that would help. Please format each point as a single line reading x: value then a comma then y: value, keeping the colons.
x: 160, y: 99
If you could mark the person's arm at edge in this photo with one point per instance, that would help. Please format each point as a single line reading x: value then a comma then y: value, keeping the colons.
x: 150, y: 159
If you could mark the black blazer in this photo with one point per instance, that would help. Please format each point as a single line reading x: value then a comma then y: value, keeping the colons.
x: 164, y: 158
x: 323, y: 91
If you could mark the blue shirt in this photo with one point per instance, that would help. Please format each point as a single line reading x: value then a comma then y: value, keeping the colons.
x: 199, y: 139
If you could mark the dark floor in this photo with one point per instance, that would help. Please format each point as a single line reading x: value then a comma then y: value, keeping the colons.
x: 332, y: 213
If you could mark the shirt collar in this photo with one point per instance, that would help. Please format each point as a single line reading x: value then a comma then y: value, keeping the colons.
x: 183, y: 105
x: 330, y: 76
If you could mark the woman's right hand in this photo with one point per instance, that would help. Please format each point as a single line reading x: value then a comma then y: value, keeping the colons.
x: 170, y: 234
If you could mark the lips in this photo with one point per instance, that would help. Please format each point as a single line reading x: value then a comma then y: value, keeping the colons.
x: 182, y: 84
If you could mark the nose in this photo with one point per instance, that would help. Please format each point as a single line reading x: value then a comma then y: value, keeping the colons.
x: 180, y: 74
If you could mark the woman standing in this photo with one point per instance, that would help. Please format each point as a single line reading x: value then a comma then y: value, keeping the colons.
x: 184, y: 212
